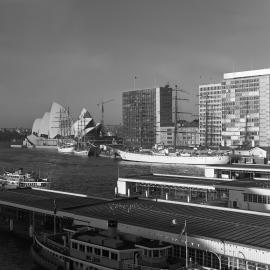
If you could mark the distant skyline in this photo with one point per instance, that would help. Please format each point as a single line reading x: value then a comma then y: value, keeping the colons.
x: 80, y: 52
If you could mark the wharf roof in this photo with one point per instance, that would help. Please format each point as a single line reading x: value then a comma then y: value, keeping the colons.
x: 46, y: 200
x: 244, y: 183
x: 242, y: 167
x: 224, y: 224
x: 230, y: 225
x: 175, y: 180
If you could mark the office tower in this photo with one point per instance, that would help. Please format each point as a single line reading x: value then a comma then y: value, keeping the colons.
x: 145, y: 112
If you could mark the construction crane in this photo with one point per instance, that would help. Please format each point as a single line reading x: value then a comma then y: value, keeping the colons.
x: 102, y: 109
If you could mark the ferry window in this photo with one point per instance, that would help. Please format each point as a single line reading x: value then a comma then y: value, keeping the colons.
x: 155, y: 253
x: 89, y: 249
x: 114, y: 256
x: 81, y: 248
x: 97, y: 251
x: 105, y: 253
x: 245, y: 197
x: 74, y: 245
x: 145, y: 252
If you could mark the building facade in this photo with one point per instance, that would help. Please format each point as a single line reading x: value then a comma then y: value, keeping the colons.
x: 210, y: 114
x: 188, y: 134
x: 240, y: 111
x: 144, y: 113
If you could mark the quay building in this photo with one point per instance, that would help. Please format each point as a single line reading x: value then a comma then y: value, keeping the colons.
x: 235, y: 112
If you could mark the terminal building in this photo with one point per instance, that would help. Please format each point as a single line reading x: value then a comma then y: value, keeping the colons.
x: 235, y: 112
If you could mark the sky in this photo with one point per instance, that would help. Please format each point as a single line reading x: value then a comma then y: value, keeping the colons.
x: 82, y: 52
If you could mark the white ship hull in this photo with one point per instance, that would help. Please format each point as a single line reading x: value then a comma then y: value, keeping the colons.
x: 81, y: 152
x: 65, y: 149
x: 193, y: 160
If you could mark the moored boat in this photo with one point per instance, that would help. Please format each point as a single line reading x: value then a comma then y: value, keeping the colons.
x: 21, y: 179
x: 65, y: 148
x: 81, y: 247
x: 175, y: 159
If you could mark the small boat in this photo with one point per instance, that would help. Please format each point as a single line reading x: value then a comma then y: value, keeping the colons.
x: 80, y: 247
x: 66, y: 148
x: 21, y: 179
x: 174, y: 159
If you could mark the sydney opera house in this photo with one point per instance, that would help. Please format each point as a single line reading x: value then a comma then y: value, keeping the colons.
x: 58, y: 125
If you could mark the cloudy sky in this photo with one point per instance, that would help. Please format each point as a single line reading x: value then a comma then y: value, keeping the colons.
x: 80, y: 52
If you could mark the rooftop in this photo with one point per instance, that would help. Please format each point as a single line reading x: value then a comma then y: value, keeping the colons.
x: 169, y: 179
x: 242, y: 167
x: 249, y: 73
x: 232, y: 225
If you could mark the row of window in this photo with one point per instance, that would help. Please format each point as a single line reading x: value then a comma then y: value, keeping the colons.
x: 256, y: 198
x: 94, y: 250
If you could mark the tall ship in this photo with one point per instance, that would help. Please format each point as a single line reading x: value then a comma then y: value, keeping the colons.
x: 91, y: 248
x: 151, y: 115
x: 192, y: 159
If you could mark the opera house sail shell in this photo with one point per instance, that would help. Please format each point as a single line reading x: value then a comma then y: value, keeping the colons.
x: 44, y: 125
x: 84, y: 125
x: 57, y: 124
x: 60, y: 122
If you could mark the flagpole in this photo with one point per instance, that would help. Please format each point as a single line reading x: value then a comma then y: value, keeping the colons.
x: 186, y: 244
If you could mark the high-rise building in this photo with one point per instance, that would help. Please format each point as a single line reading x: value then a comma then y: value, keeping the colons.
x: 210, y: 114
x: 243, y: 101
x: 145, y: 112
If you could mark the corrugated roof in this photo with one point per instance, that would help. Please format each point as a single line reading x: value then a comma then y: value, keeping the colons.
x: 242, y: 227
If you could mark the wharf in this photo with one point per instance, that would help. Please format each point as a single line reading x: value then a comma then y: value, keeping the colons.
x: 247, y: 227
x: 222, y: 231
x: 238, y: 170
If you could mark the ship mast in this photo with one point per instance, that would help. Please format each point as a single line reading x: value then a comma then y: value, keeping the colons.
x: 176, y: 112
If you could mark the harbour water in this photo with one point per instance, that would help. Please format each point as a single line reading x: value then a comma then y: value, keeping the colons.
x: 70, y: 173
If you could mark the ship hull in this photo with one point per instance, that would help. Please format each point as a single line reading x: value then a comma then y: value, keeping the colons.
x: 192, y: 160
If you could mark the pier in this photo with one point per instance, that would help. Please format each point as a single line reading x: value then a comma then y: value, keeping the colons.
x: 217, y: 237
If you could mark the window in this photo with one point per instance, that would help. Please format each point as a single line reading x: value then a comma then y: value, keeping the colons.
x: 74, y: 245
x: 114, y: 256
x: 155, y: 253
x: 82, y: 248
x: 89, y: 249
x: 105, y: 253
x: 97, y: 251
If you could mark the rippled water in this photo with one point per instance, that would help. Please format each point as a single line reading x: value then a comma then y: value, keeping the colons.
x: 91, y: 176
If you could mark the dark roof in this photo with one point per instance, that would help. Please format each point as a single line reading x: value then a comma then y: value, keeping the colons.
x: 174, y: 179
x: 236, y: 226
x: 45, y: 200
x: 233, y: 226
x: 243, y: 167
x: 244, y: 183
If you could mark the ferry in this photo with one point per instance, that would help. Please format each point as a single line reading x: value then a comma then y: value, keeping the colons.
x: 86, y: 248
x: 21, y: 179
x: 206, y: 159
